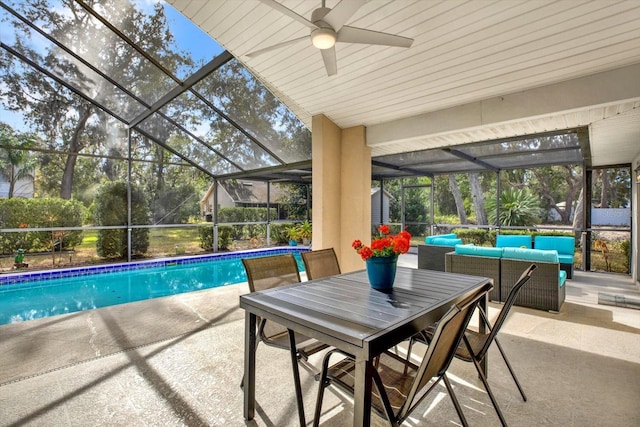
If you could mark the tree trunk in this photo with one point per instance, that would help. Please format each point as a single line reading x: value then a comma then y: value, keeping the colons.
x: 578, y: 216
x: 604, y: 191
x: 12, y: 182
x: 160, y: 169
x: 75, y: 146
x: 457, y: 196
x: 478, y: 198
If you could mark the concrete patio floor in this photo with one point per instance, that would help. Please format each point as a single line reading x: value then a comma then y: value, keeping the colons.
x: 177, y: 361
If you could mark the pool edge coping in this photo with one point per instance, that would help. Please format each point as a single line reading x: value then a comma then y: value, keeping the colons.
x: 42, y: 275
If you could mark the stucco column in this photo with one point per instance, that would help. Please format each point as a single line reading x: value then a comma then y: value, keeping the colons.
x: 341, y: 189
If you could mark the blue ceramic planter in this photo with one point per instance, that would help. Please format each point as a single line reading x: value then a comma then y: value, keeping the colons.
x: 382, y: 272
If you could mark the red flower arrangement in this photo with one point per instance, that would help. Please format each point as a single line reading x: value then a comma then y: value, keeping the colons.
x: 384, y: 246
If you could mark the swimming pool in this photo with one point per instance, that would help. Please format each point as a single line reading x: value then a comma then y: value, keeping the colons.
x: 28, y: 296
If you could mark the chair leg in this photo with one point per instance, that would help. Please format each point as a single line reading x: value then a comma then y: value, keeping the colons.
x: 296, y: 377
x: 322, y: 384
x: 454, y: 399
x: 489, y: 392
x: 513, y: 374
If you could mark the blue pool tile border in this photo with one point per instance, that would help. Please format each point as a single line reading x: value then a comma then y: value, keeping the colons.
x: 37, y: 277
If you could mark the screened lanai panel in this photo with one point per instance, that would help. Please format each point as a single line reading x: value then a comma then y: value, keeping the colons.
x: 449, y: 166
x: 162, y: 130
x: 211, y: 128
x: 42, y: 53
x: 423, y: 158
x: 195, y: 46
x: 424, y: 162
x: 537, y: 159
x: 237, y: 94
x: 565, y: 145
x: 83, y: 34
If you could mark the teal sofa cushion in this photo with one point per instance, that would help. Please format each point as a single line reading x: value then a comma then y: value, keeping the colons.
x: 478, y: 251
x: 441, y: 241
x: 565, y: 245
x: 428, y: 240
x: 515, y: 241
x: 562, y: 277
x: 530, y: 254
x: 565, y: 259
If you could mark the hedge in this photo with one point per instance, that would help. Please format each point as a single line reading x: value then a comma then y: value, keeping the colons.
x: 35, y: 213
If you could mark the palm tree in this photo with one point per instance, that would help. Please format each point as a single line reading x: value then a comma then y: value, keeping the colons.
x: 518, y: 207
x: 16, y: 162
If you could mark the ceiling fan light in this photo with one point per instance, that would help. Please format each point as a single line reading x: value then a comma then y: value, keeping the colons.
x: 323, y: 38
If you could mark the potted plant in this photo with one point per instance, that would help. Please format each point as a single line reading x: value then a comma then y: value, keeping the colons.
x: 294, y: 235
x: 304, y: 232
x: 381, y: 256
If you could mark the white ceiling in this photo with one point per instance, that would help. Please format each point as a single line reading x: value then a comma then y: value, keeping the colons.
x: 477, y: 70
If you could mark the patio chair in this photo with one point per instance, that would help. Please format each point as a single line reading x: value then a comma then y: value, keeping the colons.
x: 476, y: 344
x: 321, y: 263
x: 399, y: 385
x: 270, y: 272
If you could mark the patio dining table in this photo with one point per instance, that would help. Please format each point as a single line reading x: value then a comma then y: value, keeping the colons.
x: 343, y: 311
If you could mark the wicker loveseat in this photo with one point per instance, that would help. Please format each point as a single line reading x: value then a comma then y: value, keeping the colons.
x: 431, y: 254
x: 545, y: 290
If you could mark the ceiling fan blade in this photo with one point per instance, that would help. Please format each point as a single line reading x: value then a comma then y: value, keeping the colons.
x: 276, y: 46
x: 360, y: 35
x: 339, y: 15
x: 290, y: 13
x: 330, y: 63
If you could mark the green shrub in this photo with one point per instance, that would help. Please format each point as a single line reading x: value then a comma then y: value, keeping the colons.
x: 477, y: 236
x: 279, y: 233
x: 225, y: 237
x: 246, y: 231
x: 205, y: 235
x: 625, y: 246
x: 35, y: 213
x: 111, y: 209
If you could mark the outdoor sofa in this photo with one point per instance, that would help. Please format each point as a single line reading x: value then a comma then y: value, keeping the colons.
x: 545, y: 290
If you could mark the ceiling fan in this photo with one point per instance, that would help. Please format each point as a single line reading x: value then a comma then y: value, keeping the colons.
x: 327, y: 29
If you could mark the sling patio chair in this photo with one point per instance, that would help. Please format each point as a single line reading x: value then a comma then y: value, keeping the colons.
x: 401, y: 385
x: 321, y: 263
x: 476, y: 344
x: 270, y: 272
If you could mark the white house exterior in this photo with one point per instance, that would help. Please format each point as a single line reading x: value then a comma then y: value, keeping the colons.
x: 378, y: 217
x: 23, y: 188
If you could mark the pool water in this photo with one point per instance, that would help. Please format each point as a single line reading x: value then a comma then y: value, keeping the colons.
x: 71, y: 294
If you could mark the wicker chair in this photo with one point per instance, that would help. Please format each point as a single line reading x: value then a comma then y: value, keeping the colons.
x: 476, y: 344
x: 270, y: 272
x: 321, y: 263
x: 399, y: 384
x: 431, y: 257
